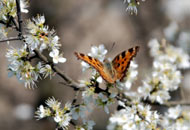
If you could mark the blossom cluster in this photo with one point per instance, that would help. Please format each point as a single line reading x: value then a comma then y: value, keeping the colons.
x: 23, y: 69
x: 177, y: 118
x: 37, y: 37
x: 135, y: 117
x: 8, y: 11
x: 166, y: 75
x: 132, y: 6
x: 63, y: 116
x: 40, y: 38
x: 60, y: 115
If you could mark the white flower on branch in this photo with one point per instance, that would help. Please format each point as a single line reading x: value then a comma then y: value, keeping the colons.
x: 39, y: 20
x: 46, y: 70
x: 104, y: 101
x: 177, y: 118
x: 22, y: 68
x: 8, y: 8
x: 132, y: 5
x: 78, y: 112
x: 53, y: 103
x: 56, y: 57
x: 65, y: 120
x: 88, y: 125
x: 168, y: 53
x: 23, y: 6
x: 42, y: 112
x: 165, y: 76
x: 40, y: 36
x: 131, y: 9
x: 98, y: 52
x: 88, y: 95
x: 136, y: 117
x: 174, y: 112
x: 61, y: 116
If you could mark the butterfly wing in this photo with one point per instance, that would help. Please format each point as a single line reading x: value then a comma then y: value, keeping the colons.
x: 122, y: 61
x: 96, y: 64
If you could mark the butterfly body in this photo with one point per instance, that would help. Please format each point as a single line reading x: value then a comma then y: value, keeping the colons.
x: 114, y: 70
x: 109, y: 69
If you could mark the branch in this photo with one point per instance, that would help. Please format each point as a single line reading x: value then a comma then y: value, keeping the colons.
x: 10, y: 39
x: 174, y: 103
x: 19, y: 17
x: 15, y: 23
x: 69, y: 81
x: 168, y: 104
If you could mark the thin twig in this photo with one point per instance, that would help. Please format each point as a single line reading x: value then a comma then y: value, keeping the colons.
x: 75, y: 98
x: 169, y: 103
x: 182, y: 93
x: 174, y: 103
x: 16, y: 24
x: 10, y: 39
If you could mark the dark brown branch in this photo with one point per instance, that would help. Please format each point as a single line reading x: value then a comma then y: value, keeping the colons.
x: 10, y: 39
x: 19, y: 17
x: 15, y: 23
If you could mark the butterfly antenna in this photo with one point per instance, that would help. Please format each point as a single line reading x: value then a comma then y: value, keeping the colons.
x: 113, y: 44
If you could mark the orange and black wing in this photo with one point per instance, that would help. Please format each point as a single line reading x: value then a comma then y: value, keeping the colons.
x: 96, y: 64
x: 122, y: 61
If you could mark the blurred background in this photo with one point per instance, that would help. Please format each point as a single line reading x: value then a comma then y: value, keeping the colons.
x: 81, y: 24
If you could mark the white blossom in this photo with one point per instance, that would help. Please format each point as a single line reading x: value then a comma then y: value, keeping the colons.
x: 53, y: 103
x: 131, y: 9
x: 165, y: 76
x: 176, y: 118
x: 88, y: 95
x: 61, y: 116
x: 174, y: 112
x: 46, y: 70
x: 137, y: 117
x: 56, y: 57
x: 39, y: 35
x: 23, y: 6
x: 42, y: 112
x: 98, y: 52
x: 78, y: 112
x: 104, y: 101
x: 89, y: 124
x: 23, y: 69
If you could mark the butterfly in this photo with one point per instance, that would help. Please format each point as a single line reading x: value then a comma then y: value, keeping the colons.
x: 114, y: 70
